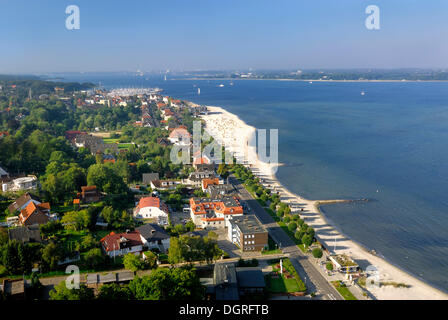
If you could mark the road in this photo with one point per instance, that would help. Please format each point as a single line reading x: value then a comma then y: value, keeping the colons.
x: 302, y: 263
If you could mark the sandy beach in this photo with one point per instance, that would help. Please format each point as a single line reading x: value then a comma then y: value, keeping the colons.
x: 232, y: 132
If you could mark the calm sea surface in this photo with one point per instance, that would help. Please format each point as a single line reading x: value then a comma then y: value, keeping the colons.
x: 389, y: 145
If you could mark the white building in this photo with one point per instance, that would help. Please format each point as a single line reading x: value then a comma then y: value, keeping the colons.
x: 24, y: 183
x: 152, y: 207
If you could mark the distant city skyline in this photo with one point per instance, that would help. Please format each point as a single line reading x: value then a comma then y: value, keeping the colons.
x: 226, y: 35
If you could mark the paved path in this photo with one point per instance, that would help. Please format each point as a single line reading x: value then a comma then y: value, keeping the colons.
x: 306, y: 269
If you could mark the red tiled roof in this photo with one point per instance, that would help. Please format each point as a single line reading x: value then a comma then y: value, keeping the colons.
x: 206, y: 182
x: 88, y: 188
x: 179, y: 132
x: 149, y: 202
x: 111, y: 242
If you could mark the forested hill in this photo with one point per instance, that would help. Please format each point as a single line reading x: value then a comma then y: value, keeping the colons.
x: 22, y: 84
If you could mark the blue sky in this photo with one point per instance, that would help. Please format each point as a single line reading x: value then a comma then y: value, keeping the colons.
x: 227, y: 34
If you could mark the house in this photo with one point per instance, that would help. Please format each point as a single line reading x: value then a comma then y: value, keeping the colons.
x: 165, y: 184
x: 207, y: 182
x: 22, y: 202
x: 119, y: 244
x: 167, y: 114
x: 154, y: 237
x: 205, y: 167
x: 219, y: 190
x: 148, y: 177
x: 180, y: 137
x: 23, y: 183
x: 25, y: 234
x: 3, y: 174
x: 90, y: 194
x: 225, y: 282
x: 35, y: 214
x: 343, y: 263
x: 247, y: 233
x: 152, y: 207
x: 71, y: 135
x: 213, y: 213
x: 108, y: 158
x: 195, y: 178
x: 250, y: 281
x: 231, y: 283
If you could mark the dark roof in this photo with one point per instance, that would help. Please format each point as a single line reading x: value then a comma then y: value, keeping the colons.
x: 248, y: 224
x: 21, y: 201
x: 25, y: 234
x: 205, y: 167
x: 225, y: 280
x: 152, y: 232
x: 250, y: 278
x: 148, y: 177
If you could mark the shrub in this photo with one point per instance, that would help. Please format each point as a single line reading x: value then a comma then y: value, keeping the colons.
x: 286, y: 219
x: 292, y: 226
x: 317, y: 253
x: 329, y: 266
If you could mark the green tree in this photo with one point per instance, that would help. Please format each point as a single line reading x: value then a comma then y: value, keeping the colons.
x: 113, y: 292
x: 61, y: 292
x: 51, y: 254
x: 307, y: 240
x: 133, y: 262
x: 292, y: 226
x: 329, y: 266
x: 317, y: 253
x: 94, y: 258
x: 168, y: 284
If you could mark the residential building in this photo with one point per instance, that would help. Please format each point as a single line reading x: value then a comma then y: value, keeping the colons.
x: 180, y: 136
x: 35, y: 214
x: 165, y: 184
x: 23, y: 183
x: 208, y: 182
x: 147, y: 178
x: 220, y: 190
x: 247, y: 233
x: 4, y: 175
x: 119, y: 244
x: 195, y: 178
x: 343, y: 263
x: 22, y: 202
x: 154, y: 237
x: 209, y: 213
x: 90, y: 194
x: 25, y: 234
x: 152, y: 207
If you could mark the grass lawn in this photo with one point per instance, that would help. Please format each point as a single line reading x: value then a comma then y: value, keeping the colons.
x: 125, y: 145
x: 344, y: 291
x: 272, y: 248
x: 110, y: 140
x: 62, y: 209
x: 281, y: 284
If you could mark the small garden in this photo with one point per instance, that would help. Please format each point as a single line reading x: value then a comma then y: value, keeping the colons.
x: 288, y: 282
x: 343, y: 290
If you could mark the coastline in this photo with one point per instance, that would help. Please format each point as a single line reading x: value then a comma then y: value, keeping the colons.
x: 226, y: 127
x: 305, y: 80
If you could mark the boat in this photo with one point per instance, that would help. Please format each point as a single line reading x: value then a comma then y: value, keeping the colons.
x: 363, y: 93
x: 310, y: 82
x: 221, y: 85
x: 199, y: 90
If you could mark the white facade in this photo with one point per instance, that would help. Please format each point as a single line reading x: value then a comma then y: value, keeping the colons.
x: 135, y: 250
x: 25, y: 183
x: 149, y: 212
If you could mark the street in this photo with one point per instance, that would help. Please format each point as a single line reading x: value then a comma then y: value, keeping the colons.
x: 307, y: 270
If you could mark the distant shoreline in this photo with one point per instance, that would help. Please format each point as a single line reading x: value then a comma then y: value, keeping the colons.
x: 304, y: 80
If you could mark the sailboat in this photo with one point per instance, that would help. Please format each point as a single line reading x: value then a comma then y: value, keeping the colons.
x: 165, y: 77
x: 199, y: 90
x: 363, y: 93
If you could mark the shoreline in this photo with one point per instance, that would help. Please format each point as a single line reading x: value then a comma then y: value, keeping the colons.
x: 225, y: 127
x: 303, y: 80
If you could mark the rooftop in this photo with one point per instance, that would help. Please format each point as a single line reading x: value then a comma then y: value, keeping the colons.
x: 248, y: 224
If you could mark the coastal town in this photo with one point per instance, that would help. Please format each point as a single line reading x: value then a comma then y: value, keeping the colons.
x: 87, y: 184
